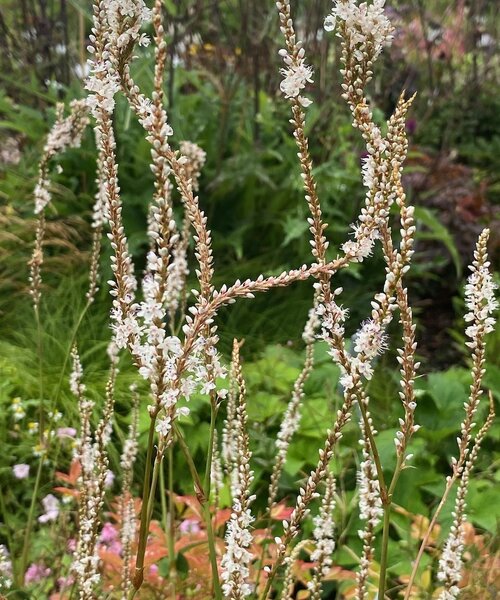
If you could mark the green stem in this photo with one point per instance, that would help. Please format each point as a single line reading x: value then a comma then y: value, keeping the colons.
x: 154, y: 483
x: 386, y: 497
x: 191, y: 466
x: 31, y: 516
x: 210, y: 451
x: 163, y: 500
x: 205, y: 505
x: 212, y: 551
x: 270, y: 579
x: 172, y: 571
x: 55, y: 397
x: 374, y: 449
x: 41, y: 405
x: 385, y: 545
x: 143, y: 531
x: 41, y: 425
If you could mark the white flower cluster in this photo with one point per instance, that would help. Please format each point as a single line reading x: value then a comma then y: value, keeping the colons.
x: 5, y: 569
x: 312, y: 324
x: 450, y: 563
x: 86, y: 568
x: 369, y: 29
x: 125, y: 19
x: 103, y: 83
x: 76, y: 385
x: 289, y: 425
x: 236, y: 559
x: 296, y: 74
x: 10, y: 151
x: 480, y: 294
x: 51, y: 508
x: 99, y: 210
x: 376, y: 175
x: 295, y: 78
x: 158, y: 356
x: 66, y: 133
x: 177, y: 273
x: 194, y: 158
x: 324, y: 528
x: 370, y: 503
x: 122, y: 20
x: 370, y: 340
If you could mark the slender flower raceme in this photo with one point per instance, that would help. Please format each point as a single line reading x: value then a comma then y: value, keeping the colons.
x: 289, y: 575
x: 370, y: 505
x: 94, y: 463
x: 236, y: 559
x: 451, y: 561
x: 127, y: 511
x: 323, y: 535
x: 291, y: 418
x: 481, y: 303
x: 66, y: 133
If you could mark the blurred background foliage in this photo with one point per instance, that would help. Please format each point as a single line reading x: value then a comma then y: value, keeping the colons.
x: 222, y: 89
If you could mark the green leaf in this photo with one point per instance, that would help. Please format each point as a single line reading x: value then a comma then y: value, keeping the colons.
x: 437, y: 231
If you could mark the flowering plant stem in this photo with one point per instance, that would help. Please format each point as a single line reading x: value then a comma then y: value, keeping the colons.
x: 29, y: 525
x: 449, y: 484
x: 144, y: 528
x: 172, y: 570
x: 203, y: 499
x: 386, y: 497
x: 41, y: 425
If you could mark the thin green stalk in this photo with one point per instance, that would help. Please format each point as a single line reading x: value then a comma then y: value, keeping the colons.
x: 163, y: 500
x: 205, y: 505
x: 41, y: 425
x: 55, y: 397
x: 143, y: 531
x: 374, y: 449
x: 210, y: 451
x: 154, y: 483
x: 385, y: 545
x: 191, y: 466
x: 386, y: 497
x: 172, y: 571
x: 41, y: 405
x: 212, y: 551
x: 270, y: 580
x: 31, y: 516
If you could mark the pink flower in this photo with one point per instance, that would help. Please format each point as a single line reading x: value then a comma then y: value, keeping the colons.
x: 109, y: 539
x: 65, y: 582
x: 21, y: 471
x: 68, y: 432
x: 51, y: 506
x: 35, y: 573
x: 108, y: 534
x: 190, y: 526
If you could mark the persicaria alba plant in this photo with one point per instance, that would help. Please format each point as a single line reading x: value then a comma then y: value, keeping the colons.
x: 171, y: 335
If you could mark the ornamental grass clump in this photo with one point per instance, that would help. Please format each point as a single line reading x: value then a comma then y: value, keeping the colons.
x: 171, y: 335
